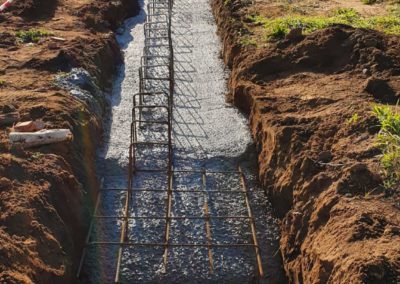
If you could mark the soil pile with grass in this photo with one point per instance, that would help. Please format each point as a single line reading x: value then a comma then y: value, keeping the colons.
x: 310, y: 99
x: 45, y: 191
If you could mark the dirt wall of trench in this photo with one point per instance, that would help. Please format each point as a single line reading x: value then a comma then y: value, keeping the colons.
x: 46, y: 192
x: 320, y: 169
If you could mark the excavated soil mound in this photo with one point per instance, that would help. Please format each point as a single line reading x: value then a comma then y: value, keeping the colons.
x: 45, y: 192
x: 309, y: 99
x: 367, y: 56
x: 35, y: 9
x: 37, y: 220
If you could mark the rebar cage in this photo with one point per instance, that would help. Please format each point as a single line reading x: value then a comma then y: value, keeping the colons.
x: 153, y: 107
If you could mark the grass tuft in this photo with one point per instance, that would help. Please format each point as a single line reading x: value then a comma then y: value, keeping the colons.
x: 389, y: 140
x: 278, y: 28
x: 353, y: 119
x: 369, y: 2
x: 32, y: 35
x: 247, y: 41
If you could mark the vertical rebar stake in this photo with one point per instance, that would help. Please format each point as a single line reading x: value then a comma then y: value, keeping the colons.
x: 207, y: 221
x: 252, y: 223
x: 78, y: 274
x: 168, y: 218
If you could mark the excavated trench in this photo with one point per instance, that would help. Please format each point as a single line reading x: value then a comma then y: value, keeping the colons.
x: 209, y: 136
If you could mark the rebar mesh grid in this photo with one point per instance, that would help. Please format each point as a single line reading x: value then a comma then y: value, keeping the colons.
x: 152, y: 106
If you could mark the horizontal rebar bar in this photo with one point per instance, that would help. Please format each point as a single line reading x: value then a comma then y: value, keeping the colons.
x: 132, y: 244
x: 149, y: 143
x: 196, y: 171
x: 173, y: 217
x: 174, y: 190
x: 151, y: 121
x: 150, y: 106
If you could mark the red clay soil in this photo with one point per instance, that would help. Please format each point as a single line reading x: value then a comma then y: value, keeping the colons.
x: 322, y: 171
x: 45, y: 191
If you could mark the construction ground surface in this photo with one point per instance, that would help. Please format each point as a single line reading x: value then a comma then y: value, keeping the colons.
x: 247, y: 148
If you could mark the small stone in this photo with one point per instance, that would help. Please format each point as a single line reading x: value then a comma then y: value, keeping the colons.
x: 395, y: 230
x: 9, y: 118
x: 8, y: 109
x: 29, y: 126
x: 52, y: 46
x: 308, y: 167
x: 381, y: 89
x: 5, y: 183
x: 371, y: 42
x: 325, y: 156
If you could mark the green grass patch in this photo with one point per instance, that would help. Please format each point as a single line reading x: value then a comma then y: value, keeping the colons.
x: 389, y: 141
x: 32, y: 35
x: 395, y: 10
x: 369, y: 2
x: 2, y: 83
x: 279, y: 27
x: 353, y: 119
x: 247, y: 41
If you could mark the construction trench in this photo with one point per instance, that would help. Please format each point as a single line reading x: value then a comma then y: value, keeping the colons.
x: 179, y: 200
x: 299, y: 111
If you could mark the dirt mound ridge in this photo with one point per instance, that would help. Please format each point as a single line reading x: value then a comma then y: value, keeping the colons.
x: 335, y: 49
x: 38, y: 225
x: 339, y: 49
x: 46, y: 192
x: 104, y: 15
x: 309, y: 99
